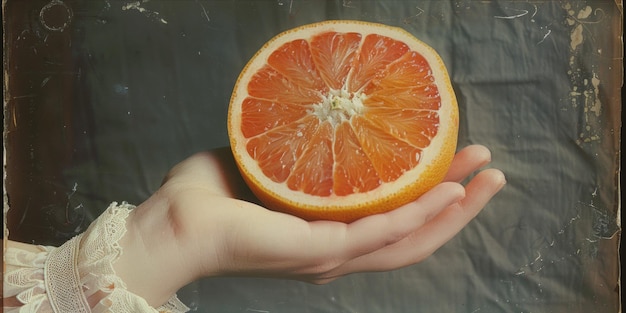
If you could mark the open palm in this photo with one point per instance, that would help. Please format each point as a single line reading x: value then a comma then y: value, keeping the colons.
x: 206, y: 214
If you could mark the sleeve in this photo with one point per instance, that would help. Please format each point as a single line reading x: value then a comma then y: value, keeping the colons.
x: 78, y: 276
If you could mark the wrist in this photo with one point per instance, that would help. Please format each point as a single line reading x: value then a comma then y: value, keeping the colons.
x: 152, y: 264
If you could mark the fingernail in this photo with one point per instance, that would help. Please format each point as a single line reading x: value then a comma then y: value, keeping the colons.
x: 501, y: 180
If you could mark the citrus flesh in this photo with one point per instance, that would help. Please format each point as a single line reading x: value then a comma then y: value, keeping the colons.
x: 338, y: 120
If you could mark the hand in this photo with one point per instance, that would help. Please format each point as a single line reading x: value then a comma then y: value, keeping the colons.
x: 205, y: 220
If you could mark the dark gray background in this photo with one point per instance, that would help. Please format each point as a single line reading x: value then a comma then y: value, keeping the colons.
x: 103, y: 97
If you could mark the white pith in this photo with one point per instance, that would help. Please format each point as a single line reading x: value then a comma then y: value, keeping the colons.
x: 338, y: 106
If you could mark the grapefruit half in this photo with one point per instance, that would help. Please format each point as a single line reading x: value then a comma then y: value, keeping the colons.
x: 342, y: 119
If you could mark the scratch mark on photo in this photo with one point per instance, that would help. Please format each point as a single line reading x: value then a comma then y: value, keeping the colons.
x: 204, y: 11
x: 545, y: 36
x: 255, y: 310
x: 136, y: 5
x: 408, y: 20
x: 510, y: 17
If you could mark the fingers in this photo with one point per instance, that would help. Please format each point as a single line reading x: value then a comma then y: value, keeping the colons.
x: 434, y: 233
x: 447, y: 224
x: 368, y: 235
x: 467, y: 161
x: 375, y: 232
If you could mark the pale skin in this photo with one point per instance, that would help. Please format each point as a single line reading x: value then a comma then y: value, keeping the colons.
x: 204, y: 222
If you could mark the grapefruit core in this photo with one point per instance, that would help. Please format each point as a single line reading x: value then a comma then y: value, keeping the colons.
x: 342, y: 119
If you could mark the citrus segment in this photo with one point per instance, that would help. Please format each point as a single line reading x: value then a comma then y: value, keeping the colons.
x: 269, y: 84
x: 390, y: 156
x: 376, y: 52
x: 342, y: 119
x: 354, y: 171
x: 333, y: 54
x: 417, y: 127
x: 277, y: 151
x: 260, y: 116
x: 312, y: 173
x: 294, y: 61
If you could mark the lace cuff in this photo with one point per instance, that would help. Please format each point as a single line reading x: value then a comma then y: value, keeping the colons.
x: 65, y: 279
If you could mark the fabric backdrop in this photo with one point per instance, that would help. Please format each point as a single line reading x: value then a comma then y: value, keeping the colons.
x: 103, y: 97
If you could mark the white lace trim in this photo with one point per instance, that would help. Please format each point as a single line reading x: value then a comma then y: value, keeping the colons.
x: 50, y: 280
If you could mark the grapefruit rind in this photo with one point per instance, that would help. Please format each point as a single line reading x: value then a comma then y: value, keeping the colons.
x: 434, y: 162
